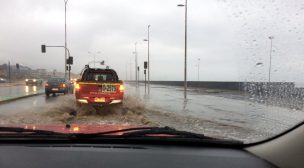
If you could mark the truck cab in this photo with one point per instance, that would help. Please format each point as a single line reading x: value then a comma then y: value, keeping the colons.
x: 99, y: 87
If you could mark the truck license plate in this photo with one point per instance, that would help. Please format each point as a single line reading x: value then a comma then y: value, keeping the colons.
x: 106, y: 88
x: 99, y: 100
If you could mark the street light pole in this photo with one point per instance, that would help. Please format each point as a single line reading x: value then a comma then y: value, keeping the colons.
x: 185, y: 66
x: 198, y: 69
x: 94, y: 56
x: 130, y: 68
x: 270, y: 58
x: 148, y: 59
x: 136, y: 76
x: 126, y: 78
x: 65, y: 38
x: 148, y: 64
x: 9, y: 71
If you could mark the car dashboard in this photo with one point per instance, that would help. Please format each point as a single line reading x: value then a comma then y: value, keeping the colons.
x: 124, y: 156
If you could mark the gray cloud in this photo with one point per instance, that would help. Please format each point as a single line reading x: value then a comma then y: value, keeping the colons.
x: 229, y: 37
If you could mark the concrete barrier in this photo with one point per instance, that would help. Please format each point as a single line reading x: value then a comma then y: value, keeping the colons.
x: 284, y: 94
x: 240, y: 86
x: 209, y: 85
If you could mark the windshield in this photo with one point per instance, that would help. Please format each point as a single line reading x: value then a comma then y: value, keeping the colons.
x: 227, y: 69
x: 99, y: 77
x: 56, y: 80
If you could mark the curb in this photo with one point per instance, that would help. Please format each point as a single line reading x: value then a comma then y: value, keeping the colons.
x: 18, y: 98
x: 11, y: 84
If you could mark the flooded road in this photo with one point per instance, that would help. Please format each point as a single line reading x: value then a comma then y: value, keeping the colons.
x: 215, y: 113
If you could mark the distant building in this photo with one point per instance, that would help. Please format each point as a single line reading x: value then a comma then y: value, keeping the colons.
x: 41, y: 73
x: 24, y: 72
x: 3, y: 70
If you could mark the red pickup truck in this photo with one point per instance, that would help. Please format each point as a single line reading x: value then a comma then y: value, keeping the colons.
x: 99, y: 87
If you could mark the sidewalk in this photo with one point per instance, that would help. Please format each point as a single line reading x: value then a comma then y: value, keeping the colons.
x: 11, y: 84
x: 16, y: 91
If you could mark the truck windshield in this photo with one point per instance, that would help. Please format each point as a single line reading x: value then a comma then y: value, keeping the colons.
x: 100, y: 77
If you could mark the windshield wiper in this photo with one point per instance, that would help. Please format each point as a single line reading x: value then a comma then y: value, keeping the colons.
x: 150, y: 133
x: 163, y: 133
x: 26, y: 130
x: 166, y: 131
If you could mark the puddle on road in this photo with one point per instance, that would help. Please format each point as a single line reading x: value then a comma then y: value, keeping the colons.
x: 62, y: 110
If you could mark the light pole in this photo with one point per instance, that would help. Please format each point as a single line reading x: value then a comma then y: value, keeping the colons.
x: 148, y: 40
x: 198, y: 68
x: 65, y: 37
x: 185, y: 66
x: 94, y: 55
x: 138, y: 75
x: 9, y: 72
x: 135, y: 53
x: 130, y: 68
x: 270, y: 59
x: 126, y: 71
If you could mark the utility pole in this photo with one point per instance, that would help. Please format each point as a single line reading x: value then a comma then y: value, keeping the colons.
x: 65, y: 38
x: 126, y: 71
x: 131, y: 69
x: 69, y: 71
x: 54, y: 72
x: 138, y: 77
x: 198, y: 69
x: 148, y: 64
x: 149, y: 59
x: 185, y: 66
x: 145, y: 68
x: 145, y: 81
x: 270, y: 59
x: 9, y: 71
x: 94, y: 55
x: 135, y: 53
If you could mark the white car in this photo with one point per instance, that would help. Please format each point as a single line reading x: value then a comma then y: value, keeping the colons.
x: 2, y: 80
x: 33, y: 81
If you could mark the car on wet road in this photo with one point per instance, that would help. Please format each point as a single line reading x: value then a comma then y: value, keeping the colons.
x: 57, y: 85
x: 99, y: 87
x: 33, y: 81
x: 2, y: 80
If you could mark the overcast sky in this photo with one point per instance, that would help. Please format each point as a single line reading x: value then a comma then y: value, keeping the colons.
x: 229, y: 36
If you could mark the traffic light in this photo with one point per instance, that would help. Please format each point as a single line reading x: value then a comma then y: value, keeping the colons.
x: 68, y: 67
x: 43, y: 48
x: 17, y: 66
x: 70, y: 60
x: 145, y: 72
x: 145, y: 64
